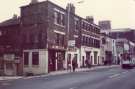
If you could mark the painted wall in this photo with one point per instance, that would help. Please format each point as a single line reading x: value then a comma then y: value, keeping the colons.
x: 83, y: 53
x: 42, y: 68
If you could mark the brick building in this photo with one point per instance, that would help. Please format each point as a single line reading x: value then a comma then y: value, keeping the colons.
x: 50, y: 36
x: 10, y: 50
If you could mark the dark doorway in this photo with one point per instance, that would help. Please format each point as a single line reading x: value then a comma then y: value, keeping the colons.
x: 51, y: 60
x: 56, y: 60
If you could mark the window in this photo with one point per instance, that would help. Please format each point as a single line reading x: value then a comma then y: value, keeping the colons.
x: 62, y: 39
x: 87, y: 41
x: 26, y: 58
x: 35, y: 58
x: 76, y: 41
x: 76, y: 24
x: 83, y: 25
x: 103, y: 41
x: 63, y: 19
x: 55, y: 17
x: 59, y: 39
x: 83, y: 40
x: 59, y: 18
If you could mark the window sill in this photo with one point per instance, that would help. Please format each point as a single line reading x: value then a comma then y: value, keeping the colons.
x: 35, y: 66
x: 59, y: 25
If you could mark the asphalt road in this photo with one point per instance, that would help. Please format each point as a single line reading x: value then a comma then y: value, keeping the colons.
x: 111, y: 78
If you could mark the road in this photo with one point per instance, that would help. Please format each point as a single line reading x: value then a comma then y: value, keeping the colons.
x: 111, y: 78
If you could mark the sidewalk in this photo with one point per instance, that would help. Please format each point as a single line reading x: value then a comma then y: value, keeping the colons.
x: 82, y: 69
x: 2, y: 78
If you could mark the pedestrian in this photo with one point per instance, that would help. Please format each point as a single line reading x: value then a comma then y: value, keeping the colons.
x: 74, y: 64
x: 69, y: 65
x: 88, y: 63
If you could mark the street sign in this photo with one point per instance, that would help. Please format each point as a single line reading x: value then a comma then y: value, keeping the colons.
x: 71, y: 43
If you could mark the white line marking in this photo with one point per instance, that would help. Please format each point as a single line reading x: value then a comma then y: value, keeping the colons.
x: 124, y: 72
x: 113, y: 76
x: 72, y: 88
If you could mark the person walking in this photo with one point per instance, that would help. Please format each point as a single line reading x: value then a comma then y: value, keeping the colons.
x: 69, y: 65
x: 88, y: 63
x: 74, y: 64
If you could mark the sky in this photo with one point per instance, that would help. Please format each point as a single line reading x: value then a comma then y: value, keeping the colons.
x: 121, y: 13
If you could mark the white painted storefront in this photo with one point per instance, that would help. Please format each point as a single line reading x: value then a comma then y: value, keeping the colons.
x: 42, y: 68
x: 73, y: 53
x: 81, y: 55
x: 85, y: 49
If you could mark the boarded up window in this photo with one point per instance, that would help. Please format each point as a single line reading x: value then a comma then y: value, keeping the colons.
x: 26, y: 58
x: 35, y: 58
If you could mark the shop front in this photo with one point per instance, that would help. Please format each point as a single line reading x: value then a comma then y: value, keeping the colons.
x: 56, y: 60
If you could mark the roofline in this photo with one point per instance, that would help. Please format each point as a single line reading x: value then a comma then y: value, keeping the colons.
x: 64, y: 10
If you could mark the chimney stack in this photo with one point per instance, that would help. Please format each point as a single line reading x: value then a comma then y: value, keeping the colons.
x: 71, y: 8
x: 90, y: 19
x: 34, y: 1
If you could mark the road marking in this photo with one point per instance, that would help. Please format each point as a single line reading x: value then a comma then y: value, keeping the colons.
x: 113, y: 76
x: 72, y: 87
x: 125, y: 72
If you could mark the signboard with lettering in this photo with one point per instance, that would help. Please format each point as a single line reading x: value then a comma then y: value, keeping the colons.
x: 71, y: 43
x: 9, y: 57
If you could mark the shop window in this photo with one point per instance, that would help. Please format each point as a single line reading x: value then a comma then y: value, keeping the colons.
x: 26, y: 58
x: 35, y: 58
x: 75, y: 56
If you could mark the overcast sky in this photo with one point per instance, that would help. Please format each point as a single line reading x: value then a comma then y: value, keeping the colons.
x: 120, y: 12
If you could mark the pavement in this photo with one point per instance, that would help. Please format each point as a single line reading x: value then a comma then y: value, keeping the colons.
x: 3, y: 78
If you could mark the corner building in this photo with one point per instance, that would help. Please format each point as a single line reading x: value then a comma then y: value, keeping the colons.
x: 45, y: 37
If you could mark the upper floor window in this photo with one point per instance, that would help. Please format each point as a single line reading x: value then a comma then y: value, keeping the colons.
x: 59, y: 18
x: 59, y: 39
x: 103, y: 41
x: 76, y: 24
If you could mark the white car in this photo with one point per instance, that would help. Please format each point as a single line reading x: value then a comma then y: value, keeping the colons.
x: 127, y: 64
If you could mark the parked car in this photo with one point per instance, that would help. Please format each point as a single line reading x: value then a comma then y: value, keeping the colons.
x: 133, y: 62
x: 127, y: 64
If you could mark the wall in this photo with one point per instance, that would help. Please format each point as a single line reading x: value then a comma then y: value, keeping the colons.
x: 43, y: 62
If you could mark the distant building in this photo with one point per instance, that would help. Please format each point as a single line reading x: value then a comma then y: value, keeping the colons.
x: 105, y: 26
x: 108, y: 52
x: 126, y: 33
